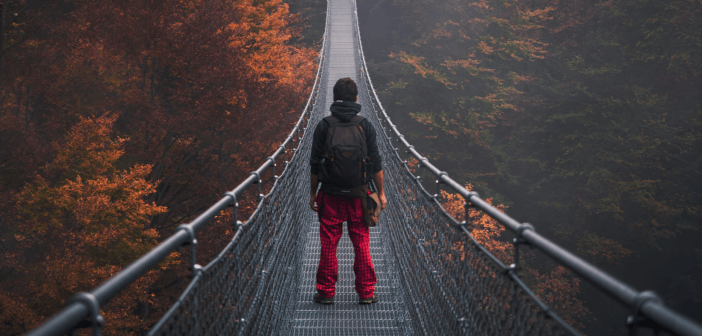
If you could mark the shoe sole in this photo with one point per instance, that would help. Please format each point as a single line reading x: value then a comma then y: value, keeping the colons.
x: 367, y: 301
x: 323, y: 301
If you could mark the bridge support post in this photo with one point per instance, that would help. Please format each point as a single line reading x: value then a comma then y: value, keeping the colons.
x: 270, y: 158
x: 420, y: 167
x: 285, y: 155
x: 437, y: 196
x: 635, y: 319
x: 467, y: 204
x: 513, y: 270
x: 96, y: 320
x: 235, y: 211
x: 194, y: 267
x: 419, y: 170
x: 259, y: 196
x: 409, y: 154
x: 292, y: 143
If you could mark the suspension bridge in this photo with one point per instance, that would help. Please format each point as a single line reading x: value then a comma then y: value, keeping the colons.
x: 263, y: 281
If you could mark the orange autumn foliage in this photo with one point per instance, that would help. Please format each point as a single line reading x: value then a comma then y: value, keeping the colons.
x: 202, y: 90
x: 199, y: 86
x: 81, y: 220
x: 485, y: 229
x: 82, y: 191
x: 557, y: 287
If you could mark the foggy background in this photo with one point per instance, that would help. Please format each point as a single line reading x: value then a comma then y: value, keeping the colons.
x: 596, y: 143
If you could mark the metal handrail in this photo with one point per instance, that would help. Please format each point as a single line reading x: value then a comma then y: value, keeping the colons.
x: 239, y: 230
x: 87, y: 305
x: 644, y: 304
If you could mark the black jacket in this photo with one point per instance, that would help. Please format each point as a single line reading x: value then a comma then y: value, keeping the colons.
x: 344, y: 110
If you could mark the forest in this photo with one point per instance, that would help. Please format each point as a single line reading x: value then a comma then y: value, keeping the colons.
x: 583, y: 118
x: 121, y: 120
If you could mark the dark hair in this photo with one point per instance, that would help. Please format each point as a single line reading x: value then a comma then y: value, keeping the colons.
x: 345, y: 89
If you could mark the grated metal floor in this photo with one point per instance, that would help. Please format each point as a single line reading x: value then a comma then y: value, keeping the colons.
x: 346, y: 317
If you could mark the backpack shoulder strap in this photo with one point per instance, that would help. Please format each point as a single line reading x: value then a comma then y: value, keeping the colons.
x: 332, y: 120
x: 356, y: 119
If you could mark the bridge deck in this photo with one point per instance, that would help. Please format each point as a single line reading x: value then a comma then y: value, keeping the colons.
x: 346, y: 316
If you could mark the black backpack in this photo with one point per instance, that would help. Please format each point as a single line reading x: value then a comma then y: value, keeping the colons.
x: 345, y: 161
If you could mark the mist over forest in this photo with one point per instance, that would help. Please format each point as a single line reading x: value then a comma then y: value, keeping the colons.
x: 583, y: 118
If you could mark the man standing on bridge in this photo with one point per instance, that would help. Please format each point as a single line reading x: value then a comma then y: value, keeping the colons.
x: 334, y: 208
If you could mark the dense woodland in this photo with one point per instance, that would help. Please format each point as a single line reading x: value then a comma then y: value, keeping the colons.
x: 581, y: 117
x: 120, y: 120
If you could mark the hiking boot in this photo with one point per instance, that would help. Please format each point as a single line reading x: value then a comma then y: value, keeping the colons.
x: 372, y: 299
x: 318, y: 298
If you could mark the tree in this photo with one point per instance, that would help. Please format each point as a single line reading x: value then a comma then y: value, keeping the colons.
x: 591, y: 129
x: 557, y: 287
x: 202, y: 90
x: 484, y: 229
x: 80, y: 220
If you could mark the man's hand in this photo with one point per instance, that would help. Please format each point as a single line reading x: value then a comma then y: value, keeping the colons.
x: 378, y: 180
x: 313, y: 191
x: 383, y: 201
x: 313, y: 198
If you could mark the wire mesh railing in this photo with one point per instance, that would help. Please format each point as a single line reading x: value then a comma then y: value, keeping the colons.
x: 249, y: 288
x: 232, y: 294
x: 454, y: 284
x: 451, y: 283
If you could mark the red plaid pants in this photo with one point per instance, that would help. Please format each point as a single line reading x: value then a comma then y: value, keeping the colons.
x: 335, y: 211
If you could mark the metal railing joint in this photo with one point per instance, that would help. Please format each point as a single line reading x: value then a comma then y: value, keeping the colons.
x: 91, y: 303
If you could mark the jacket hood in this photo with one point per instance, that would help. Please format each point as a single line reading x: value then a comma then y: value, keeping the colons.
x: 345, y: 110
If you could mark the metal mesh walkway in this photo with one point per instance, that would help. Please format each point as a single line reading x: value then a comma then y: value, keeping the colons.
x: 346, y: 316
x: 434, y: 278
